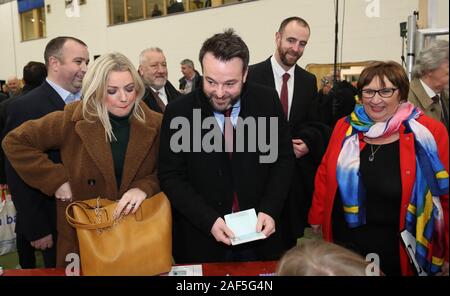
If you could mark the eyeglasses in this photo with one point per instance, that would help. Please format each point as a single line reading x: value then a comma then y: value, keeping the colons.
x: 384, y: 92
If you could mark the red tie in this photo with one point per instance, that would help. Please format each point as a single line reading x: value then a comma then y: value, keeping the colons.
x: 284, y: 94
x: 228, y: 132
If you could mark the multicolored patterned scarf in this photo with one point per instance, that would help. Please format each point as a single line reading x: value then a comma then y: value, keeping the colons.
x: 424, y: 217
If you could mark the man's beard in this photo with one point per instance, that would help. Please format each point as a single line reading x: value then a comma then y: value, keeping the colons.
x: 222, y: 107
x: 284, y: 59
x: 157, y: 83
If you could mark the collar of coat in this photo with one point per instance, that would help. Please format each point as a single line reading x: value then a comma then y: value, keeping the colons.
x: 422, y: 96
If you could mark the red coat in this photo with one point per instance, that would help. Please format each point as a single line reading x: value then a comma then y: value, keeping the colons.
x: 326, y: 182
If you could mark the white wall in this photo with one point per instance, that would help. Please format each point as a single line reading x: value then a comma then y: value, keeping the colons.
x: 181, y: 36
x: 7, y: 53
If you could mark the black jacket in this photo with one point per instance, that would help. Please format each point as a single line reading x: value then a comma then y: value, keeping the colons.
x: 197, y: 83
x: 36, y: 212
x: 304, y: 124
x: 338, y: 103
x: 200, y: 185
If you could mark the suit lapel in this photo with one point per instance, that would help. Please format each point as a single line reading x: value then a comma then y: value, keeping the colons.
x: 268, y: 74
x: 53, y: 97
x: 171, y: 92
x: 421, y: 94
x: 296, y: 96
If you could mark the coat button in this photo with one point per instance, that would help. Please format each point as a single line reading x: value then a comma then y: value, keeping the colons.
x: 219, y: 204
x: 408, y: 172
x: 91, y: 182
x: 220, y: 173
x: 407, y: 138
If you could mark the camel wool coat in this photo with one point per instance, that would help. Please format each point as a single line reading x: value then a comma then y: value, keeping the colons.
x: 87, y: 162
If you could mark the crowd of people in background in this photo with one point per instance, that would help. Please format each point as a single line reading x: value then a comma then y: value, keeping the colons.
x: 365, y: 166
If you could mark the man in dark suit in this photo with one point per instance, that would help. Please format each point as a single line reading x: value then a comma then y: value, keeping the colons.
x: 191, y: 78
x: 202, y: 184
x: 66, y: 59
x: 153, y: 70
x: 297, y: 90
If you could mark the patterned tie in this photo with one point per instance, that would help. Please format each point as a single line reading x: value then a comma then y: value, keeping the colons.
x: 284, y: 94
x: 160, y: 103
x: 228, y: 132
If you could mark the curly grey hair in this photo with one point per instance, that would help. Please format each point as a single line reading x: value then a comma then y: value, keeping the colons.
x: 430, y: 58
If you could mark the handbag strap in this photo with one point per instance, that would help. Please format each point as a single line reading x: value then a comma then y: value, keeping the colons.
x: 83, y: 206
x: 92, y: 225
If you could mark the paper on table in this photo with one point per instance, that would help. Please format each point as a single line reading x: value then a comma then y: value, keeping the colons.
x: 186, y: 270
x: 243, y: 225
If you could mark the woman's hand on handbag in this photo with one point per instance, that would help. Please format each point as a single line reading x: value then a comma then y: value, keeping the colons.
x: 130, y: 202
x: 64, y: 192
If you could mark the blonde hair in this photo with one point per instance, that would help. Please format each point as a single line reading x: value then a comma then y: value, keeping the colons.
x: 320, y: 258
x: 95, y: 86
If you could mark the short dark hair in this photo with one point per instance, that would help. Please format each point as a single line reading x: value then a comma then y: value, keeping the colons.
x: 297, y: 19
x: 226, y: 46
x: 54, y: 46
x: 393, y: 71
x: 34, y: 73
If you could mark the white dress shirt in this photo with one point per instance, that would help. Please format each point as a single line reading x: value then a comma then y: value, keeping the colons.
x: 67, y: 96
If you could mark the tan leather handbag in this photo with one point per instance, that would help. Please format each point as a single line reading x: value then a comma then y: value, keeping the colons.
x: 139, y: 244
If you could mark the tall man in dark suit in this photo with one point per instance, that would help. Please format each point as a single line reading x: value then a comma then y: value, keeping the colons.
x: 204, y: 184
x: 66, y: 59
x: 153, y: 70
x: 297, y: 91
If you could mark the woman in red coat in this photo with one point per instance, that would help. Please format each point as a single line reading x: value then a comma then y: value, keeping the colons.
x: 385, y: 172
